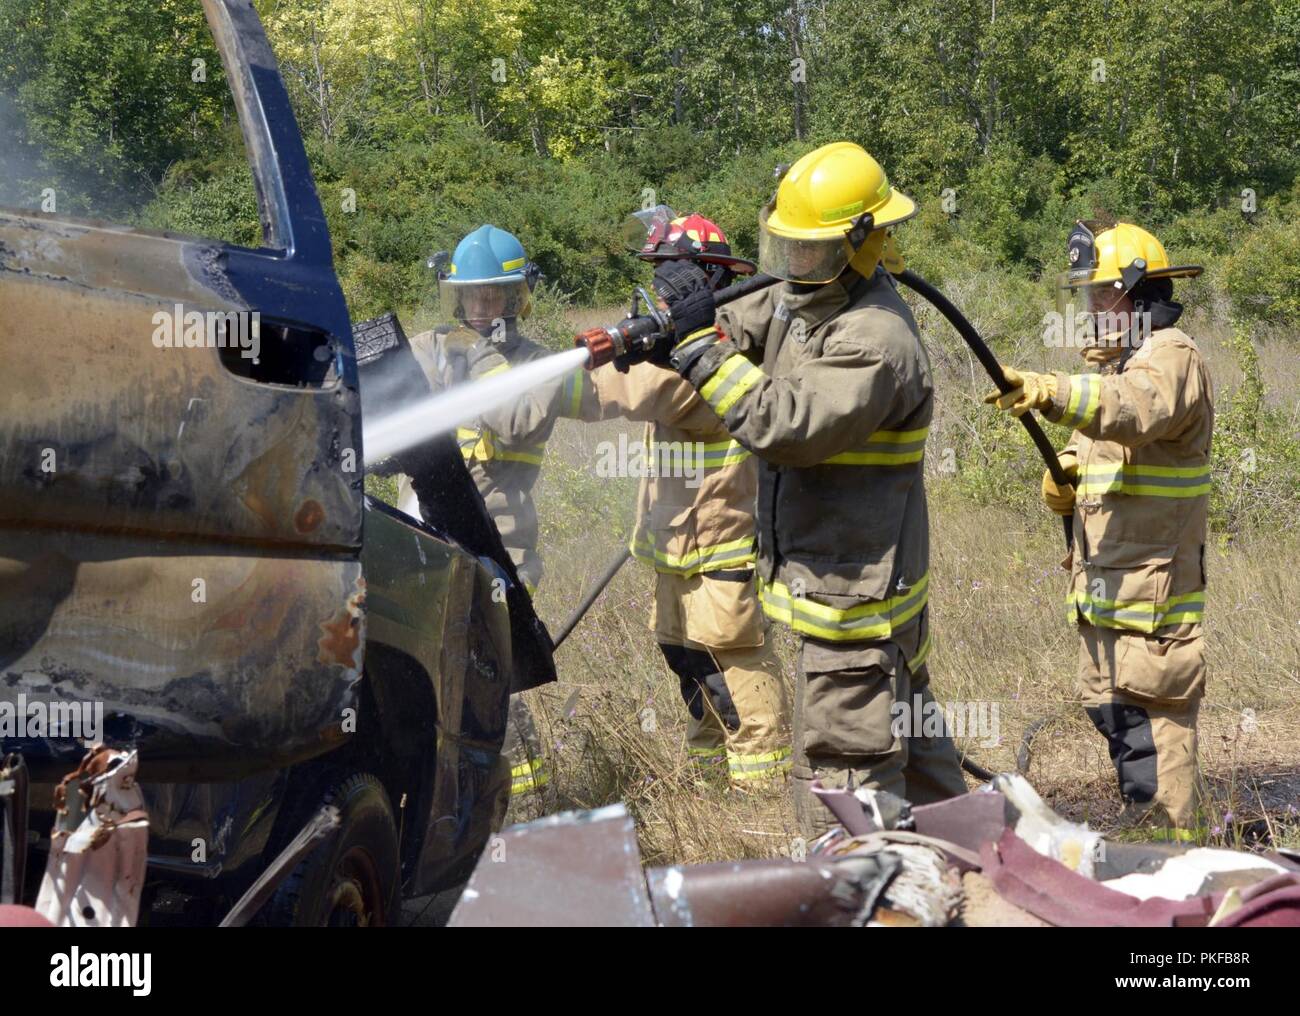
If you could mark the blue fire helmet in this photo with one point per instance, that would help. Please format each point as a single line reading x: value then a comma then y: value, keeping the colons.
x: 489, y: 277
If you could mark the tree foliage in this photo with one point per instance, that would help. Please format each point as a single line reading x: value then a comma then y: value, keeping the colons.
x: 554, y: 117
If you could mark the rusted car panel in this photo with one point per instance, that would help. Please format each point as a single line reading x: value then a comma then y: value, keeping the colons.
x: 258, y: 674
x: 176, y: 542
x: 180, y: 522
x: 113, y: 432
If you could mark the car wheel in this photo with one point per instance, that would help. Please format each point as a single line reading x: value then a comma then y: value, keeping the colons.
x: 353, y: 880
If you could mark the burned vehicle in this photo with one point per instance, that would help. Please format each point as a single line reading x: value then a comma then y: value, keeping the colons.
x: 188, y: 554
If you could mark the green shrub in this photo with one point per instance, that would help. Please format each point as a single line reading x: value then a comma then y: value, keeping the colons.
x: 1262, y: 276
x: 1256, y: 457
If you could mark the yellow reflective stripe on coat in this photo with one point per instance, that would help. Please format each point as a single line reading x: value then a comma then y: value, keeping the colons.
x: 479, y: 446
x: 667, y: 456
x: 574, y: 386
x: 500, y: 368
x: 716, y: 454
x: 1135, y: 615
x: 758, y: 767
x: 528, y: 776
x: 731, y: 554
x: 729, y: 382
x: 866, y: 621
x: 1145, y: 481
x: 1084, y: 401
x: 885, y: 448
x: 642, y: 547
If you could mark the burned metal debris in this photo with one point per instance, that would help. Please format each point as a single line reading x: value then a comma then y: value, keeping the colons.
x: 997, y: 856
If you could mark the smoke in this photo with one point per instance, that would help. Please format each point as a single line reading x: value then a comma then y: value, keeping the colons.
x: 19, y: 172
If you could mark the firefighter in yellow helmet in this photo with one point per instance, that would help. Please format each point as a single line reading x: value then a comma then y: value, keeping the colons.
x: 695, y: 528
x: 1140, y: 458
x: 825, y: 380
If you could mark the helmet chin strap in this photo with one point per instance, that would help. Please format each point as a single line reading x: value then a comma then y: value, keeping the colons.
x: 720, y: 277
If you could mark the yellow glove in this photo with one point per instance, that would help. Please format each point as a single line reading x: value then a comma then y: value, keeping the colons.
x: 1030, y: 391
x: 1061, y: 499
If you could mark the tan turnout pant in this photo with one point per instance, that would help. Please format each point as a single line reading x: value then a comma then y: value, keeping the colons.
x: 714, y: 637
x: 1143, y: 693
x: 845, y: 733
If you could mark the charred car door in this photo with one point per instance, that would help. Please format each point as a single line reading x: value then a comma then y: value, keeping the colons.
x: 181, y: 472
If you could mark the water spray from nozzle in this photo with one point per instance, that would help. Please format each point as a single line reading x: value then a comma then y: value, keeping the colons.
x: 413, y: 424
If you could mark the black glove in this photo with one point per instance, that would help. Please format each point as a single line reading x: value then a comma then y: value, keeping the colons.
x: 684, y: 287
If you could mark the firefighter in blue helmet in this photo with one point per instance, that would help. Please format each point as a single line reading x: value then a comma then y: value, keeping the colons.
x: 486, y: 290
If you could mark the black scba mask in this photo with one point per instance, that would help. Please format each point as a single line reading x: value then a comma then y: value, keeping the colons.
x: 1081, y: 252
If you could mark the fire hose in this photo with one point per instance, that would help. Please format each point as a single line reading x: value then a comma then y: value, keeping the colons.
x: 597, y: 588
x: 994, y: 370
x: 639, y: 332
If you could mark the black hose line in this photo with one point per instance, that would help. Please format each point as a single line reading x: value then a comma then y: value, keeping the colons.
x: 606, y: 577
x: 738, y: 289
x: 972, y: 339
x: 994, y: 370
x: 1024, y: 754
x: 977, y: 770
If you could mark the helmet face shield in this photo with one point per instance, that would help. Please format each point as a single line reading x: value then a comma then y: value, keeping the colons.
x: 481, y: 303
x: 1097, y: 318
x: 794, y: 259
x: 643, y: 231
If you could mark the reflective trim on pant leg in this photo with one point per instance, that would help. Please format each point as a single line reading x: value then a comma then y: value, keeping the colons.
x: 1174, y: 834
x: 528, y: 776
x: 765, y: 765
x: 761, y: 745
x: 707, y: 756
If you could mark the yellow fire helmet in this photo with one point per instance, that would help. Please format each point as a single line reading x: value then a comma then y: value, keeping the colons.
x: 1119, y: 256
x: 831, y: 209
